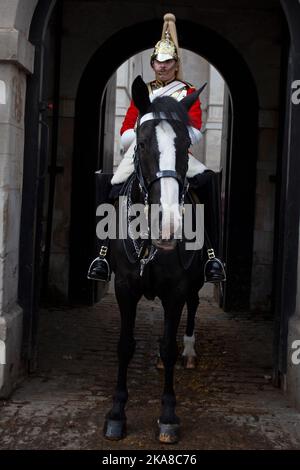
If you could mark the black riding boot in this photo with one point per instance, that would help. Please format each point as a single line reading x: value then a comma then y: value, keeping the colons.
x: 99, y: 269
x: 206, y: 188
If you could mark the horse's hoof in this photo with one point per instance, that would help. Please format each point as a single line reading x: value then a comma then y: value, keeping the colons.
x: 114, y: 430
x: 168, y: 433
x: 189, y: 362
x: 159, y: 364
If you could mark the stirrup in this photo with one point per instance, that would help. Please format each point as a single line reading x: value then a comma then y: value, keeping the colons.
x: 92, y: 266
x: 222, y: 268
x: 212, y: 257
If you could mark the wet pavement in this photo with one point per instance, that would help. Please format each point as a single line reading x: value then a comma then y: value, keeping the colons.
x: 228, y: 402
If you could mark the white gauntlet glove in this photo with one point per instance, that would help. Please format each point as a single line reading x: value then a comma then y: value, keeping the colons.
x: 127, y: 138
x: 195, y: 135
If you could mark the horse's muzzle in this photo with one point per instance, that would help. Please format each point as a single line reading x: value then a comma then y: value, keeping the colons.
x: 165, y: 245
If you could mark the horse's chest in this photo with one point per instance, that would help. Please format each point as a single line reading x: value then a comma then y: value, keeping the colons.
x: 162, y: 277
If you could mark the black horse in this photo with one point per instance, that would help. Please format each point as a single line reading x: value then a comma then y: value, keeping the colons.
x: 156, y: 264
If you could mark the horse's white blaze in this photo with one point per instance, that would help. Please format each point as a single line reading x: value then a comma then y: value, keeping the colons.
x: 171, y: 219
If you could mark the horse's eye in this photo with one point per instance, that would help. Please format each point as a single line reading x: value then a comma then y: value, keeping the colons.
x: 141, y: 146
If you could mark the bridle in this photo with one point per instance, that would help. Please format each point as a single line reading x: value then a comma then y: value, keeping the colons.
x: 146, y: 187
x: 142, y: 252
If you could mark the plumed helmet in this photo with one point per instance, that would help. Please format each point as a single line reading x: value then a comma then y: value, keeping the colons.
x: 167, y: 48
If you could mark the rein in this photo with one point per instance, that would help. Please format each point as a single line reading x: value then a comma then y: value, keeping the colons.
x: 142, y: 252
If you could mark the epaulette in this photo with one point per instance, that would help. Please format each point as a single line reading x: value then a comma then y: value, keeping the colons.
x: 153, y: 85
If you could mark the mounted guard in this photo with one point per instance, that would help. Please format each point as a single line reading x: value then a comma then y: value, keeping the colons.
x: 166, y: 64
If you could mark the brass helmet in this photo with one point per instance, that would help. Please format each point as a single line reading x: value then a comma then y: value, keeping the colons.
x: 164, y: 49
x: 167, y: 48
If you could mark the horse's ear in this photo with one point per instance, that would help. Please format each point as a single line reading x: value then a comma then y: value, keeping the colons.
x: 189, y: 100
x: 140, y: 95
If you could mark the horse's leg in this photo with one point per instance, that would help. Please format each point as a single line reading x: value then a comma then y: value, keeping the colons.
x: 168, y: 421
x: 115, y: 423
x: 189, y: 353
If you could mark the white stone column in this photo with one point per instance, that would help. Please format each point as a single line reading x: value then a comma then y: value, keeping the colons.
x: 16, y: 60
x: 122, y: 103
x: 213, y: 126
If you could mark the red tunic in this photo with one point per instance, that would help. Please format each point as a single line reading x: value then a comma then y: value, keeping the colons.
x: 195, y: 114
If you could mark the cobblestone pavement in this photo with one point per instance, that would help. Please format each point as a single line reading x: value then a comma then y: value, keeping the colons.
x: 228, y: 402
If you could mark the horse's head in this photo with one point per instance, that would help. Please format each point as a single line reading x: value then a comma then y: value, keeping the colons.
x: 161, y: 161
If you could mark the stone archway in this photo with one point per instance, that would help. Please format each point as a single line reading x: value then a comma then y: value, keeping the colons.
x: 15, y: 24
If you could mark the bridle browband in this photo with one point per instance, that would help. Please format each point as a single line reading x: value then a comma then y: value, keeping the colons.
x: 160, y: 116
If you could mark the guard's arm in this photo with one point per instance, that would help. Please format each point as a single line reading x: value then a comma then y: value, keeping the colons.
x: 195, y: 114
x: 127, y: 130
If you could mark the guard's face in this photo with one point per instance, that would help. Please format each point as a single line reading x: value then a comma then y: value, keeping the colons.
x: 166, y: 70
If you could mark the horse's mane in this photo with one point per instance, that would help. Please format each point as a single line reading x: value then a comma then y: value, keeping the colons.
x: 170, y: 108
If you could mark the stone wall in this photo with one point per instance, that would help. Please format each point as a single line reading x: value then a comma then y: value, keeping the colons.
x: 16, y: 60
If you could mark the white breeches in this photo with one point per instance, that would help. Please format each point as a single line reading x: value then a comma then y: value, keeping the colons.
x: 126, y: 166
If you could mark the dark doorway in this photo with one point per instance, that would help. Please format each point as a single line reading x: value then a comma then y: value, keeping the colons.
x: 36, y: 155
